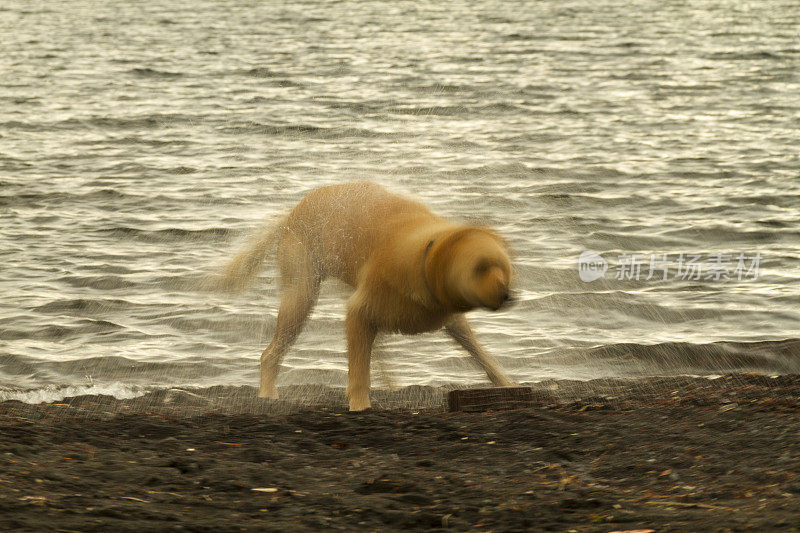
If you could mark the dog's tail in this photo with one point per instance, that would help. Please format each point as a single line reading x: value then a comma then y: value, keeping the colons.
x: 237, y: 275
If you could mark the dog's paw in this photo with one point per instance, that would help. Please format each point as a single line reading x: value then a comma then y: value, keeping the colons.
x: 359, y: 404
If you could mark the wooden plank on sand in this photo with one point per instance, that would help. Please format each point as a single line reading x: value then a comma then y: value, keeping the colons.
x: 493, y: 399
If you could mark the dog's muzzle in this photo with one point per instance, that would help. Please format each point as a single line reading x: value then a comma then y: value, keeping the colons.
x: 507, y: 300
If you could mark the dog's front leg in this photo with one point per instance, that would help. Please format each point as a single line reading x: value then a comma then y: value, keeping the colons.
x: 459, y: 329
x: 360, y: 336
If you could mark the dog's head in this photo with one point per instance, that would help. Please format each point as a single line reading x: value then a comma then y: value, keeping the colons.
x: 469, y: 268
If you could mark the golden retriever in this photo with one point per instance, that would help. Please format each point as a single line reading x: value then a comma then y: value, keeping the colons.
x: 412, y: 272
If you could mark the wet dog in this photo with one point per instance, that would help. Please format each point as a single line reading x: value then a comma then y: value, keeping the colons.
x: 412, y: 272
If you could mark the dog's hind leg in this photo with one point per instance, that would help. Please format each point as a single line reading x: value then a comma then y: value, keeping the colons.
x: 300, y: 291
x: 459, y: 329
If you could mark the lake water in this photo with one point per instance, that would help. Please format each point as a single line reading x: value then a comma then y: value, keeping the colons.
x: 140, y: 141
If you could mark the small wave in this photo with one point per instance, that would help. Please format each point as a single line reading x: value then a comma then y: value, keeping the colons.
x: 358, y: 106
x: 153, y: 73
x: 672, y: 86
x: 133, y: 140
x: 454, y: 110
x: 112, y: 368
x: 465, y: 179
x: 285, y: 83
x: 103, y: 283
x: 627, y: 241
x: 260, y: 72
x: 55, y: 393
x: 83, y: 306
x: 168, y: 234
x: 424, y: 111
x: 269, y: 79
x: 728, y: 234
x: 61, y: 332
x: 180, y: 170
x: 37, y: 199
x: 439, y: 88
x: 620, y: 302
x: 301, y: 130
x: 780, y: 357
x: 526, y: 36
x: 788, y: 201
x: 775, y: 223
x: 748, y: 56
x: 148, y: 123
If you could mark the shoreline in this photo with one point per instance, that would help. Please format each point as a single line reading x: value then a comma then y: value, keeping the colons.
x: 669, y: 454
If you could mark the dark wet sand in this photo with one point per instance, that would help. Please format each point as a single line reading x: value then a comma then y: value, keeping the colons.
x: 668, y: 454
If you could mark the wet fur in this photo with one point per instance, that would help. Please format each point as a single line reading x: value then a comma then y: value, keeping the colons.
x: 412, y: 272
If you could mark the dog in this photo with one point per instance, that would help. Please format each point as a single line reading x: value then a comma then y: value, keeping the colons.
x: 411, y: 270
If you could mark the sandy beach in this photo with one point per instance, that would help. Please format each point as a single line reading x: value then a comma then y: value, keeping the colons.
x: 661, y: 454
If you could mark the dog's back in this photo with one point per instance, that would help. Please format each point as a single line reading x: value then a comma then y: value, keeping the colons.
x: 335, y: 228
x: 341, y: 225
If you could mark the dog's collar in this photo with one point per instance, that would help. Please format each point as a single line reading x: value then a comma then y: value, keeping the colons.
x: 425, y: 271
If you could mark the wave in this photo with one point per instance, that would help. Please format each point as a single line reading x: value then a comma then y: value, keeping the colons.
x: 59, y: 332
x: 102, y: 283
x: 84, y: 306
x: 747, y: 56
x: 55, y: 393
x: 452, y: 110
x: 728, y: 234
x: 167, y: 234
x: 778, y: 357
x: 148, y: 122
x: 274, y: 78
x: 147, y: 72
x: 103, y: 197
x: 259, y: 72
x: 302, y: 131
x: 106, y: 368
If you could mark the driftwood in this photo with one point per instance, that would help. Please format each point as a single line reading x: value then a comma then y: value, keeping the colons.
x: 494, y: 399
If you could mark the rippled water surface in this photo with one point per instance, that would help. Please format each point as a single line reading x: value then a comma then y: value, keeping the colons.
x: 139, y: 141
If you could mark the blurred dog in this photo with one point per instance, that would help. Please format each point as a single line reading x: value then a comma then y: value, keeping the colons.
x: 412, y: 272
